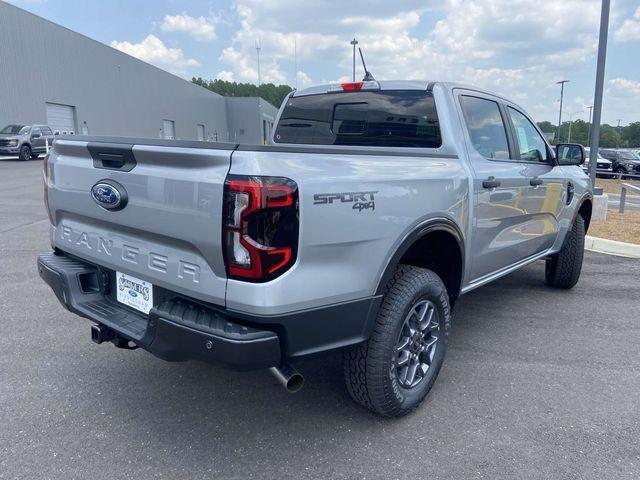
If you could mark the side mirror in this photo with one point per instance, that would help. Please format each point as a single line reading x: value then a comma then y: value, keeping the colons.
x: 570, y: 154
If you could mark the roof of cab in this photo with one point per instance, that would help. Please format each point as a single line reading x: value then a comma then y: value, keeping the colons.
x: 384, y: 85
x: 394, y: 85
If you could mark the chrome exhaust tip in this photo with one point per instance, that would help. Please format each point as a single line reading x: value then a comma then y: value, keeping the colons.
x: 289, y: 377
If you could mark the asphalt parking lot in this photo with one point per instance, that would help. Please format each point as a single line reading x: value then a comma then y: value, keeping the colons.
x: 538, y: 383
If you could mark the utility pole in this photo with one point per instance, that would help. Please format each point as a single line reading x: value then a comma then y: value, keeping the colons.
x: 597, y: 101
x: 258, y: 47
x: 590, y: 108
x: 561, y: 83
x: 354, y: 42
x: 618, y: 134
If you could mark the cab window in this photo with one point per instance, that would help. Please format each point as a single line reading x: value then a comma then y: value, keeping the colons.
x: 485, y: 126
x: 393, y: 118
x: 529, y: 142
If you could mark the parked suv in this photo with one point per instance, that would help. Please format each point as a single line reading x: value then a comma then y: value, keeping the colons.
x: 26, y: 141
x: 624, y: 162
x: 375, y: 207
x: 604, y: 167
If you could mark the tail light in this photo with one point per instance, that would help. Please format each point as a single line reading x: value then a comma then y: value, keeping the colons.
x: 46, y: 177
x: 260, y: 227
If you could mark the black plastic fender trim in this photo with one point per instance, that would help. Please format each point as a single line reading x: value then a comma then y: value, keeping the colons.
x: 422, y: 229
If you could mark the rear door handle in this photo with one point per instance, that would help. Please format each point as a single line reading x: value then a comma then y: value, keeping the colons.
x: 490, y: 182
x: 536, y: 182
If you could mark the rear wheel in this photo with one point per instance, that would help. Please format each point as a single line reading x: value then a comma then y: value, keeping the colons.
x: 394, y: 370
x: 563, y: 269
x: 25, y: 153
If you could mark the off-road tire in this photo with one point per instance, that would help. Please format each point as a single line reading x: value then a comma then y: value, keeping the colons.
x: 25, y: 153
x: 369, y: 369
x: 563, y: 269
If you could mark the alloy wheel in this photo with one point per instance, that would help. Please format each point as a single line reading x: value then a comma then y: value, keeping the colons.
x: 417, y: 344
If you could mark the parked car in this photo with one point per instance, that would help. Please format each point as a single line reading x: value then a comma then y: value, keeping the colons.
x: 26, y: 141
x: 604, y: 166
x: 624, y: 162
x: 375, y: 207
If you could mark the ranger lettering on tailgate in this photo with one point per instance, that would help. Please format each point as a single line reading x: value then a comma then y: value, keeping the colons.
x: 129, y: 253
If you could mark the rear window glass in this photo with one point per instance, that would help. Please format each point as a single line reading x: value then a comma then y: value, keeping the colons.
x: 396, y: 118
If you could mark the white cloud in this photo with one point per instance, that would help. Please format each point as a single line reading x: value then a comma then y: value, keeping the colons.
x: 529, y: 31
x: 401, y: 22
x: 518, y: 48
x: 630, y: 29
x: 304, y: 80
x: 397, y: 45
x: 625, y: 86
x: 225, y: 75
x: 200, y: 28
x: 153, y: 50
x: 276, y: 46
x: 622, y: 99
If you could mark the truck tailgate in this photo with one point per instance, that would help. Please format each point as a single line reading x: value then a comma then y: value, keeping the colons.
x: 168, y: 234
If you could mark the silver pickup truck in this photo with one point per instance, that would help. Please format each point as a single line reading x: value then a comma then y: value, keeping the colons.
x: 375, y: 207
x: 26, y: 141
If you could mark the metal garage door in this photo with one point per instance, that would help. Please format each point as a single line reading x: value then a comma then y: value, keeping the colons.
x: 61, y: 118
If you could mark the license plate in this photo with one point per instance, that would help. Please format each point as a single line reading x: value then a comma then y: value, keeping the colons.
x: 134, y: 292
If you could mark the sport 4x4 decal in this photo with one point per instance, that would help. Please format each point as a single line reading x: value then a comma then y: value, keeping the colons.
x: 361, y: 200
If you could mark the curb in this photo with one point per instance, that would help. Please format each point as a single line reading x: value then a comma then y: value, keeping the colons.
x: 611, y: 247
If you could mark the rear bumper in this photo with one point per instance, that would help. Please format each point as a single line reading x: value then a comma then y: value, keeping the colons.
x: 174, y: 330
x: 178, y: 328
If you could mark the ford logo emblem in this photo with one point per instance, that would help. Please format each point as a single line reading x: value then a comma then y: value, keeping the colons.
x: 109, y: 195
x: 133, y: 294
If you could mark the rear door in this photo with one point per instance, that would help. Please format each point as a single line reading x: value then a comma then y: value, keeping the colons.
x: 169, y: 232
x: 499, y: 237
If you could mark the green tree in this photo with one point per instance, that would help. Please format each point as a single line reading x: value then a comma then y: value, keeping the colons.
x: 274, y: 94
x: 609, y: 137
x: 548, y: 128
x: 631, y: 135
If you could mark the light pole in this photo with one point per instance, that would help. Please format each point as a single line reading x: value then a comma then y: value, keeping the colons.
x: 597, y: 101
x: 258, y: 47
x: 618, y: 134
x: 561, y: 83
x: 590, y: 108
x: 354, y: 42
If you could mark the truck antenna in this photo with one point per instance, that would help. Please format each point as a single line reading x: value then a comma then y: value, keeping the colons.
x: 367, y: 74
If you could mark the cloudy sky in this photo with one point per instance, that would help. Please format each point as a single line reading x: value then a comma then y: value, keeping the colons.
x: 519, y: 48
